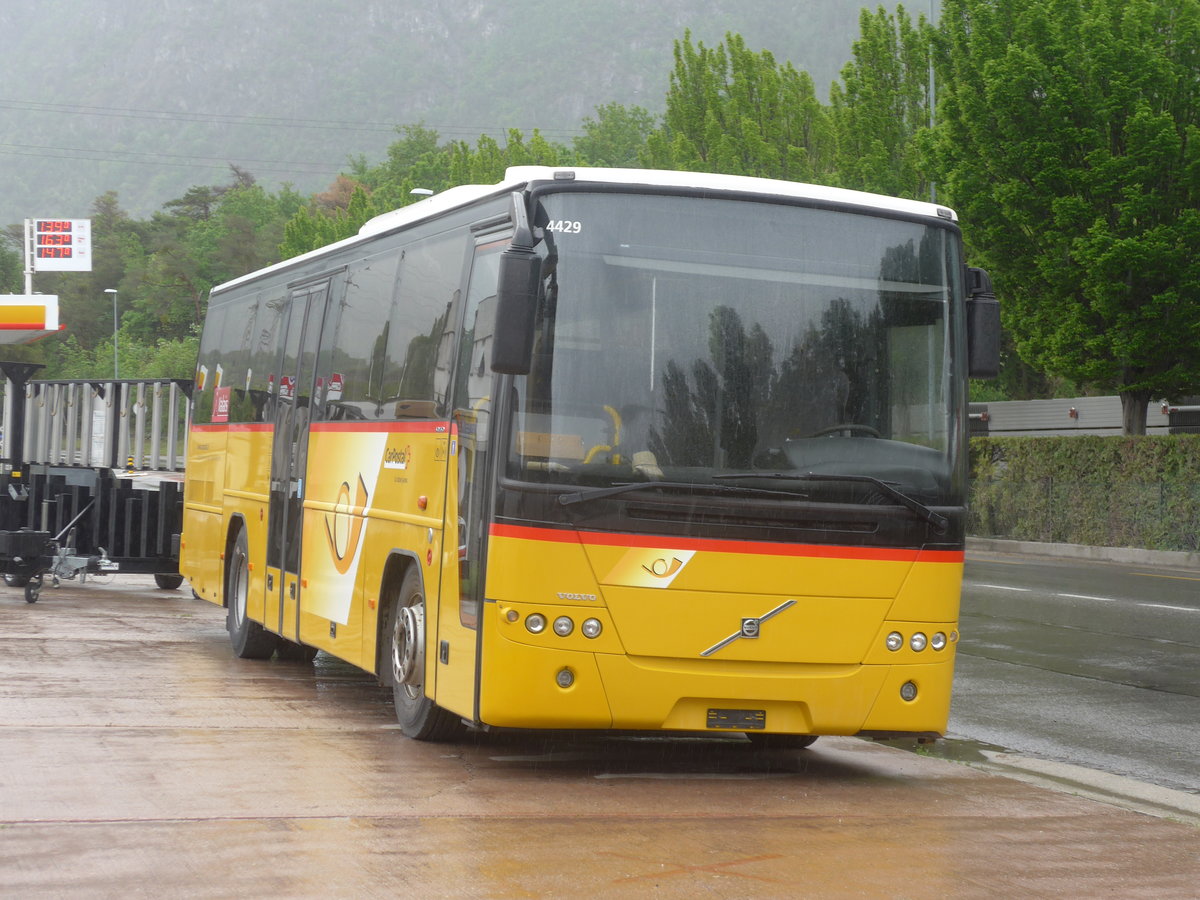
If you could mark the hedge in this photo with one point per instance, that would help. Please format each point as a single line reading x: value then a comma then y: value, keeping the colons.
x: 1103, y: 491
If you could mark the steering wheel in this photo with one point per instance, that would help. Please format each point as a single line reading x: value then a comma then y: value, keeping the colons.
x: 852, y: 427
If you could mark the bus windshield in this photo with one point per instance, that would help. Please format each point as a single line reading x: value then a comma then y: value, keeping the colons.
x: 708, y: 342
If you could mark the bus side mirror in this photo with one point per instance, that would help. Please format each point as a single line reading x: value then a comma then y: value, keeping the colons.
x: 983, y: 326
x: 516, y: 295
x: 516, y: 303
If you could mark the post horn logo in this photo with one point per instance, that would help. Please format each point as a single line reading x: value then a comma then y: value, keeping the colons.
x: 343, y: 526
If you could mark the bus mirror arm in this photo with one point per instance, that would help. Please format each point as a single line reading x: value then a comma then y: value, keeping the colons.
x: 516, y: 296
x: 983, y: 326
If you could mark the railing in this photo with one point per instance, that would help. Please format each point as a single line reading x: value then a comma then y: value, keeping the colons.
x: 127, y: 424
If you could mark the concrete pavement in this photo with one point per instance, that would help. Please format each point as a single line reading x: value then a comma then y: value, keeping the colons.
x: 141, y: 759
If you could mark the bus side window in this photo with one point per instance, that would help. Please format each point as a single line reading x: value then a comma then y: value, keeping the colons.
x: 420, y: 339
x: 352, y: 353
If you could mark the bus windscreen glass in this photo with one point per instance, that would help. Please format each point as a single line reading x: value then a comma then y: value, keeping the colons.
x: 696, y: 340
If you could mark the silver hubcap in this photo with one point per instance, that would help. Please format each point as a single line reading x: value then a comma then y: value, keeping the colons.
x: 408, y: 645
x: 239, y: 590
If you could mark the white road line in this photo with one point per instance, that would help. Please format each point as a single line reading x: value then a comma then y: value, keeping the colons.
x: 1008, y: 587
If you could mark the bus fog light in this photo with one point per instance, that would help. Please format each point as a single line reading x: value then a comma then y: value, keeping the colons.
x: 918, y: 641
x: 938, y: 641
x: 591, y: 628
x: 565, y: 678
x: 908, y: 691
x: 536, y: 623
x: 563, y: 626
x: 895, y: 640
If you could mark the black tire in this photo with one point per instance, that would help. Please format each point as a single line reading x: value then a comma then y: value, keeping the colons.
x: 16, y: 580
x: 420, y: 718
x: 33, y: 589
x: 250, y: 640
x: 167, y: 581
x: 780, y: 741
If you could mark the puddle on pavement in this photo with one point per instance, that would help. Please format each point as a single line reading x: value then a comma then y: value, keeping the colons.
x: 955, y: 749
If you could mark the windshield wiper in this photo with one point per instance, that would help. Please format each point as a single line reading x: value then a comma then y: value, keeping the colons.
x: 600, y: 493
x: 937, y: 520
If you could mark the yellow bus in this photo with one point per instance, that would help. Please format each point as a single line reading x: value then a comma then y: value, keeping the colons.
x: 603, y: 449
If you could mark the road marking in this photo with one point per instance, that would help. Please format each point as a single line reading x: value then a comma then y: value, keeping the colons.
x: 1172, y: 577
x: 1191, y: 609
x: 1007, y: 587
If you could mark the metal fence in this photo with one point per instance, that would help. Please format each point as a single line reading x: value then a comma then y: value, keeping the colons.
x: 1157, y: 515
x: 138, y: 424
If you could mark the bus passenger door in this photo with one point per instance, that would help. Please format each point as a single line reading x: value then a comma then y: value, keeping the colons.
x: 293, y: 402
x: 468, y: 499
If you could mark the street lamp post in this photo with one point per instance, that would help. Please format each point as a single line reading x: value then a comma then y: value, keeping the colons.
x: 116, y: 369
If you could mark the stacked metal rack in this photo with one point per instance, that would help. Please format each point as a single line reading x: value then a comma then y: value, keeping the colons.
x: 92, y: 477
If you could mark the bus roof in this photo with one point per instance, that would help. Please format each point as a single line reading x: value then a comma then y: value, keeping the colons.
x: 517, y: 177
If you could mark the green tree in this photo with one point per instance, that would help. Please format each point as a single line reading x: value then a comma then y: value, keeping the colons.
x: 881, y: 107
x: 735, y: 111
x: 1069, y: 135
x: 615, y: 137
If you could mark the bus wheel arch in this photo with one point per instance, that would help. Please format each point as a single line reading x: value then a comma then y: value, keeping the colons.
x: 402, y: 641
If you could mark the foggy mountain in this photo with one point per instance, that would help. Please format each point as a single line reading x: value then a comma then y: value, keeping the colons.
x: 148, y: 97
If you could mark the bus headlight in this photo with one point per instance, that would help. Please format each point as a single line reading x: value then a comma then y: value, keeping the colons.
x: 591, y: 628
x: 895, y: 641
x: 918, y: 642
x: 938, y: 641
x: 563, y: 626
x: 536, y: 623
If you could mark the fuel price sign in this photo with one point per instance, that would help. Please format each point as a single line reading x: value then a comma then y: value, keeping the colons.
x: 62, y: 245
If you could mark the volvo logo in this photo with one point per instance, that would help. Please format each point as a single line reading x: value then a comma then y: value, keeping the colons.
x: 751, y: 628
x: 563, y: 595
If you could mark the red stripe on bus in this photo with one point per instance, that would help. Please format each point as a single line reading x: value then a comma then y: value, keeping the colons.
x: 655, y: 542
x: 234, y: 426
x: 334, y: 427
x: 439, y: 427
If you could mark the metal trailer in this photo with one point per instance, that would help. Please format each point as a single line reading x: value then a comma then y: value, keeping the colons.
x: 92, y: 478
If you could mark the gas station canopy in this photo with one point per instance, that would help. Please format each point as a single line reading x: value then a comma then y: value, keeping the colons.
x: 27, y: 317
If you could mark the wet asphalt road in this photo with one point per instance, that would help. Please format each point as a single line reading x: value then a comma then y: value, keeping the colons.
x: 140, y: 759
x: 1090, y: 663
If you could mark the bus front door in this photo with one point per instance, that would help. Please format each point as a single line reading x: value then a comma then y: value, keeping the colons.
x: 295, y: 398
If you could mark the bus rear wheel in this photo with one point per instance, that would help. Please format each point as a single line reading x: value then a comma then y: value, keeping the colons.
x: 419, y: 717
x: 250, y: 640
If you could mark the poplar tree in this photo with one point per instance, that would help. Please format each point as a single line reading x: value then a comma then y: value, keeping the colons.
x: 735, y: 111
x: 881, y: 108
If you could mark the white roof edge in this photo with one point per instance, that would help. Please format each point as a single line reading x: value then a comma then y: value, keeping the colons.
x: 516, y: 177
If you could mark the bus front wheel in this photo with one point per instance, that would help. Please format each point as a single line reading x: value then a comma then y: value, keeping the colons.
x: 419, y: 717
x: 250, y: 640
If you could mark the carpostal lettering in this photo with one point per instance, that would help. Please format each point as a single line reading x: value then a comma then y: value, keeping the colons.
x: 395, y: 458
